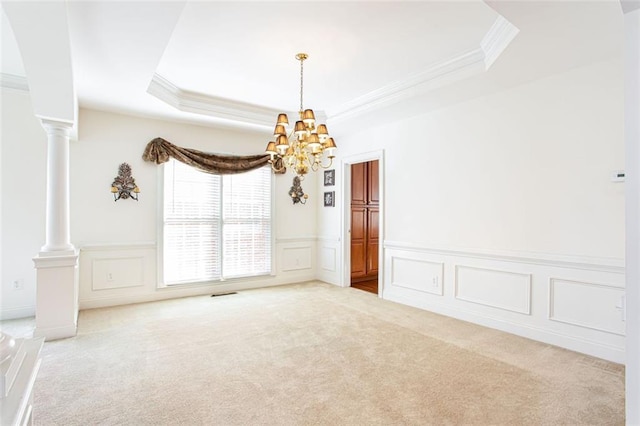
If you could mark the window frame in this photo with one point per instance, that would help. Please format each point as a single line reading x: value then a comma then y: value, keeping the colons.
x: 160, y: 221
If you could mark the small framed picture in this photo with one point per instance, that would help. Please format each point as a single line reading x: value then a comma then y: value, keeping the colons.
x: 330, y: 199
x: 329, y: 177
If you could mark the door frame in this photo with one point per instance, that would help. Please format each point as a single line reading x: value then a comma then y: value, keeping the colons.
x: 346, y: 215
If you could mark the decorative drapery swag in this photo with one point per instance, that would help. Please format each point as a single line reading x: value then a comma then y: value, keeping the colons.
x: 160, y: 150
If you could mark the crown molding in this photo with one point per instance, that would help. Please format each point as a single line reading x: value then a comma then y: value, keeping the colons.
x: 221, y: 108
x: 214, y: 106
x: 16, y: 82
x: 437, y: 75
x: 497, y: 39
x: 459, y: 67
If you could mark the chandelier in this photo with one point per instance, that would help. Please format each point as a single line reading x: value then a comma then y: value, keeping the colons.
x: 303, y: 147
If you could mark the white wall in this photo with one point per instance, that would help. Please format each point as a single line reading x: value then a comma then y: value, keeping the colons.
x: 498, y: 210
x: 23, y: 178
x: 517, y: 182
x: 122, y: 235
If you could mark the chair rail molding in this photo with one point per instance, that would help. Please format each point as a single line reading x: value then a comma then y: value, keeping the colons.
x: 575, y: 302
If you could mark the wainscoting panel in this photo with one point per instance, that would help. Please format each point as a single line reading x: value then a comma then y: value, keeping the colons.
x: 594, y: 306
x: 568, y: 301
x: 499, y: 289
x: 118, y: 274
x: 417, y: 274
x: 329, y: 260
x: 296, y: 258
x: 114, y: 271
x: 109, y: 273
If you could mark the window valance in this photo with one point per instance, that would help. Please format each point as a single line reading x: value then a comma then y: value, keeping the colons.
x: 160, y: 150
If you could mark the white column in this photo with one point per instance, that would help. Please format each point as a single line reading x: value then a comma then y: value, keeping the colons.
x: 56, y: 264
x: 632, y: 194
x: 58, y: 236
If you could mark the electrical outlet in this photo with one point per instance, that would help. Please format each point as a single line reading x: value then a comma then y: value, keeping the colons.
x: 17, y: 284
x: 435, y: 281
x: 109, y: 277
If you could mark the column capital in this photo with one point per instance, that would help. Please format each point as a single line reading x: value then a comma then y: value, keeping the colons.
x: 55, y: 127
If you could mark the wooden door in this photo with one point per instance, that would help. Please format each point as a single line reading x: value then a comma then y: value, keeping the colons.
x: 365, y: 214
x: 358, y: 242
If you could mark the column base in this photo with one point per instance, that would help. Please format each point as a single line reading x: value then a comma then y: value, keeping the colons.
x: 56, y: 294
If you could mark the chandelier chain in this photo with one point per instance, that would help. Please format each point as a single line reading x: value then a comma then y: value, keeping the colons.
x: 301, y: 82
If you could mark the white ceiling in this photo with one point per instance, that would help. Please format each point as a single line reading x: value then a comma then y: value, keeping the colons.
x: 243, y: 53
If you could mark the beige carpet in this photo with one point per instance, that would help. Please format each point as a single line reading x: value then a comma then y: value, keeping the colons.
x: 312, y: 354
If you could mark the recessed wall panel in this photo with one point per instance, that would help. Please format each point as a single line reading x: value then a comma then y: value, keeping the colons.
x: 111, y: 273
x: 296, y: 258
x: 506, y: 290
x: 328, y: 259
x: 417, y: 274
x: 594, y: 306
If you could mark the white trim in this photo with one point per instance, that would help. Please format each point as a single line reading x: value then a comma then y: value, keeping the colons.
x: 118, y: 246
x: 160, y: 282
x: 456, y: 293
x: 41, y: 261
x: 433, y: 77
x: 614, y: 265
x: 54, y: 333
x: 189, y: 290
x: 586, y: 346
x: 346, y: 214
x: 16, y: 82
x: 290, y: 240
x: 160, y: 227
x: 458, y: 67
x: 551, y: 296
x: 631, y: 20
x: 222, y: 108
x: 463, y: 65
x: 392, y: 282
x: 18, y: 312
x: 329, y: 239
x: 497, y: 39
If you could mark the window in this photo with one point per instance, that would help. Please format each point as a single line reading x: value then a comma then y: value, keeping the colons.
x: 215, y: 227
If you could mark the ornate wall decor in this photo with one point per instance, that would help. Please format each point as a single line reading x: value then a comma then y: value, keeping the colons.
x: 124, y: 185
x: 330, y: 199
x: 329, y: 177
x: 296, y: 192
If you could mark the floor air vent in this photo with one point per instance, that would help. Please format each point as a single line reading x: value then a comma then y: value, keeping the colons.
x: 224, y: 294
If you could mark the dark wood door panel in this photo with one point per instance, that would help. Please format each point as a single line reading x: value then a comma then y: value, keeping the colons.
x: 358, y: 183
x: 373, y: 215
x: 372, y: 258
x: 372, y: 183
x: 358, y: 223
x: 358, y: 259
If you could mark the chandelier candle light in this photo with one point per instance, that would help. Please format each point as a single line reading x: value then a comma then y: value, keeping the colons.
x: 301, y: 148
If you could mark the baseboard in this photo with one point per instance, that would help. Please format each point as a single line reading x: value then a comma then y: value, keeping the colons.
x: 17, y: 313
x: 574, y: 302
x: 188, y: 291
x: 589, y: 347
x: 55, y: 333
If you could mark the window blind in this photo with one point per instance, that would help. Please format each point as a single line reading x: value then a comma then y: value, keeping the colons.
x: 215, y: 226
